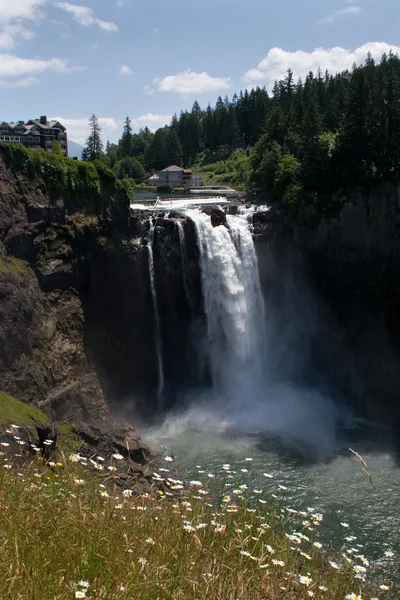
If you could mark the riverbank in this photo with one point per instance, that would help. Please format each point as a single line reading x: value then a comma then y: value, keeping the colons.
x: 69, y: 534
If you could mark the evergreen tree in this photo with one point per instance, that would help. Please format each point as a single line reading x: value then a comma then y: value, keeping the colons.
x: 126, y: 141
x: 94, y: 145
x: 174, y: 147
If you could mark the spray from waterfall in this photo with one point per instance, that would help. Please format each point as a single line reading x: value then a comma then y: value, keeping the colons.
x: 183, y: 258
x: 157, y: 324
x: 247, y: 393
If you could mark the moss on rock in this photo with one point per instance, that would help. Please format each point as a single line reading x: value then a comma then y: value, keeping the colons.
x: 15, y: 411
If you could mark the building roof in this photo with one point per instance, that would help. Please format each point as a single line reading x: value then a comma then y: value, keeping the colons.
x: 172, y: 168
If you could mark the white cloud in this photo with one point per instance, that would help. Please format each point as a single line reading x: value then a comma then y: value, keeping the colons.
x: 86, y: 17
x: 275, y: 65
x: 189, y: 82
x: 14, y: 66
x: 125, y: 70
x: 11, y: 33
x: 151, y: 121
x: 148, y: 90
x: 20, y: 83
x: 107, y: 25
x: 13, y: 16
x: 20, y: 9
x: 349, y: 11
x: 78, y: 129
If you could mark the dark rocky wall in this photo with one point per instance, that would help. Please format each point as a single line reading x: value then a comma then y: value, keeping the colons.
x: 351, y: 261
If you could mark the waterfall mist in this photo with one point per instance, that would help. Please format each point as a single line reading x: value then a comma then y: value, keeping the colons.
x: 257, y: 346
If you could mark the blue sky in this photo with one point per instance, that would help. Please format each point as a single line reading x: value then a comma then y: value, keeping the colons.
x: 151, y: 58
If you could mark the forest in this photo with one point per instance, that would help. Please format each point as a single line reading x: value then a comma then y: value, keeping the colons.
x: 305, y: 141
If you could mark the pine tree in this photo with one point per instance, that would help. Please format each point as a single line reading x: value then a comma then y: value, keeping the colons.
x: 94, y: 145
x: 174, y: 147
x: 126, y: 141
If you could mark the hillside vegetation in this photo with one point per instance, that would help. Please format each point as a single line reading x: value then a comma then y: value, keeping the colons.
x: 70, y: 533
x: 304, y: 142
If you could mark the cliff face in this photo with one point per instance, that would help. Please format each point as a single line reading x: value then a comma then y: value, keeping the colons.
x: 352, y: 258
x: 77, y: 326
x: 77, y: 320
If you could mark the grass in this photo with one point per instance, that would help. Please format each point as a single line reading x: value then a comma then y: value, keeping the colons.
x: 14, y: 266
x: 68, y: 532
x: 15, y: 411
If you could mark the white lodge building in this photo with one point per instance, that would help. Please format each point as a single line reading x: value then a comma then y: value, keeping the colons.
x: 173, y: 176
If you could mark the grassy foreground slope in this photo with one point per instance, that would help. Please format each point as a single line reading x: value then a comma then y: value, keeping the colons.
x: 69, y: 533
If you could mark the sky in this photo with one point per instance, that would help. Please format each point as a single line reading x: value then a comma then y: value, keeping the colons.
x: 149, y: 59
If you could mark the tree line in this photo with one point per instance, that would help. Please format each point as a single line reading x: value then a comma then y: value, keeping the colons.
x: 308, y: 137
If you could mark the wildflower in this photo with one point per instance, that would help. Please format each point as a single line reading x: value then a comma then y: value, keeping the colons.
x: 245, y: 553
x: 100, y: 458
x: 389, y: 554
x: 111, y: 469
x: 4, y: 444
x: 264, y: 566
x: 168, y: 458
x: 359, y: 569
x: 211, y: 475
x: 305, y: 580
x: 84, y: 584
x: 74, y: 458
x: 50, y: 443
x: 14, y: 426
x: 104, y: 493
x: 257, y: 491
x: 384, y: 587
x: 243, y: 487
x: 267, y: 475
x: 117, y: 456
x: 353, y: 597
x: 310, y: 593
x: 317, y: 545
x: 334, y: 565
x: 127, y: 493
x: 307, y: 556
x: 79, y: 481
x: 80, y: 594
x: 142, y: 561
x: 188, y: 527
x: 322, y: 588
x: 278, y: 563
x: 345, y: 525
x: 350, y: 538
x: 150, y: 541
x: 196, y: 483
x: 282, y: 487
x: 244, y: 470
x: 248, y: 459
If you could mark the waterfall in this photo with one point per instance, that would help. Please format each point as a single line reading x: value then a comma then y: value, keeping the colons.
x: 233, y: 304
x: 157, y: 325
x: 247, y: 392
x: 183, y: 256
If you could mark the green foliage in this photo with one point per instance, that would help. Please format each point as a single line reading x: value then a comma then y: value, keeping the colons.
x: 129, y: 168
x: 57, y: 150
x: 15, y: 411
x: 83, y: 221
x: 94, y: 146
x: 65, y: 176
x: 286, y: 183
x: 65, y: 537
x: 14, y: 266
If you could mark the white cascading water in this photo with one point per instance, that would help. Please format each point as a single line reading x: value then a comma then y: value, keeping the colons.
x: 183, y: 256
x: 245, y: 394
x: 157, y: 325
x: 233, y: 304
